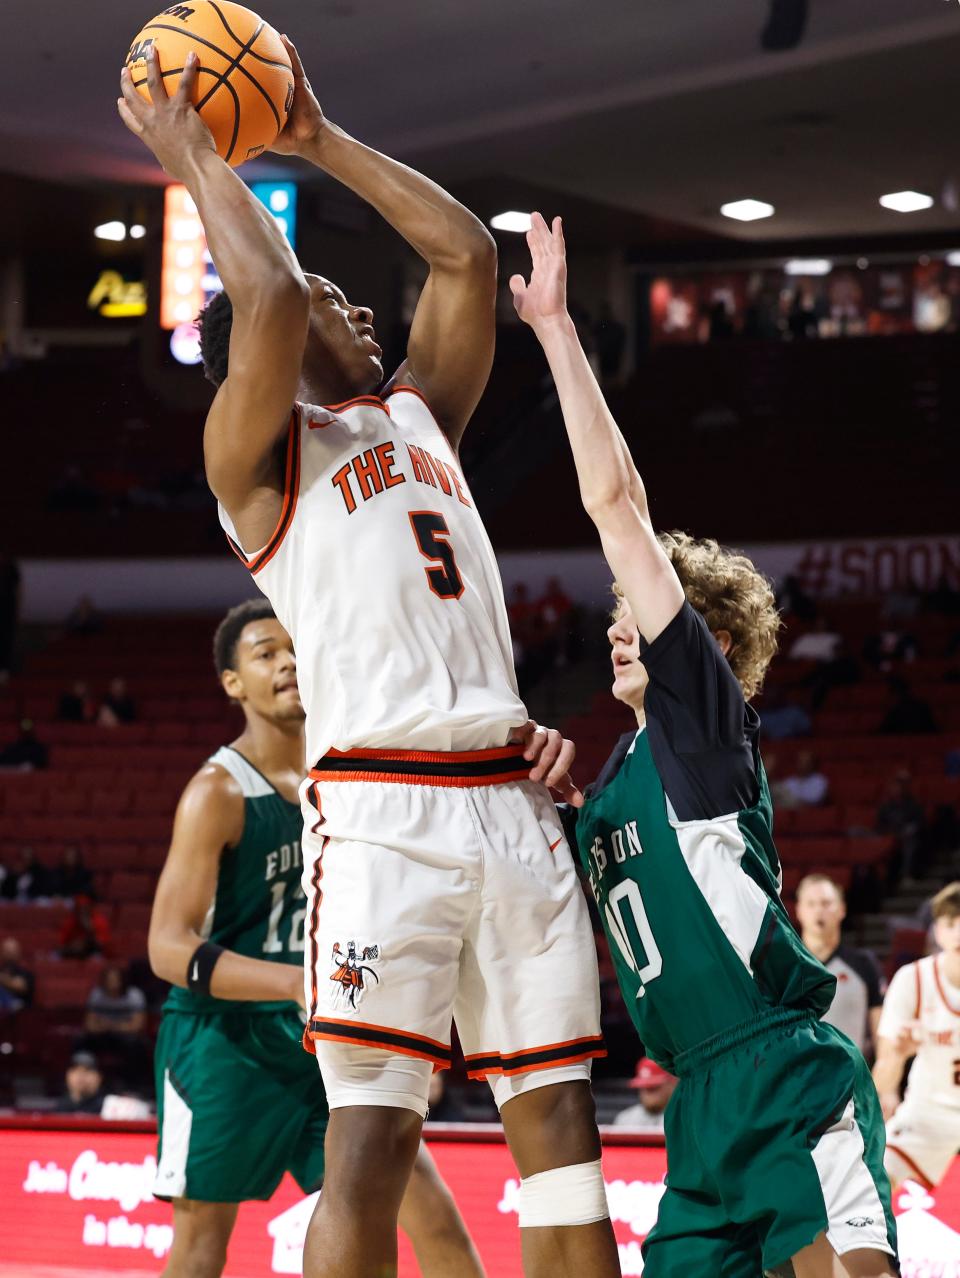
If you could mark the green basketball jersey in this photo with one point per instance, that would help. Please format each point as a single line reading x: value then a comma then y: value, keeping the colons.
x: 259, y: 908
x: 677, y: 839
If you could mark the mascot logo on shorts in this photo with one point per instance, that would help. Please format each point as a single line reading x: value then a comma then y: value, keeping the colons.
x: 350, y: 971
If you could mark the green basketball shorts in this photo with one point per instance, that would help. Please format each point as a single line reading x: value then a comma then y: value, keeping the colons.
x: 774, y: 1135
x: 239, y: 1102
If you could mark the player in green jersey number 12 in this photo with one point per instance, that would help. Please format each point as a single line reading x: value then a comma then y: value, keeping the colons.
x: 774, y: 1134
x: 239, y: 1100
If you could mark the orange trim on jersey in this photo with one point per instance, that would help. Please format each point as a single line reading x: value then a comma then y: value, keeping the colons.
x: 315, y: 923
x: 526, y: 1062
x: 954, y: 1011
x: 917, y: 980
x: 371, y: 401
x: 428, y: 756
x: 924, y: 1180
x: 542, y: 1047
x: 382, y: 1037
x: 291, y: 493
x: 404, y: 778
x: 412, y: 390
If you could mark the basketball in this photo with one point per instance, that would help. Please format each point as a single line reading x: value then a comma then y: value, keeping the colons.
x: 245, y: 83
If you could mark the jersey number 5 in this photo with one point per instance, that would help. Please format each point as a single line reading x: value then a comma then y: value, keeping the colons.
x: 630, y: 928
x: 431, y: 531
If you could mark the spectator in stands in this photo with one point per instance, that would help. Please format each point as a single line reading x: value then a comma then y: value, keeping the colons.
x: 794, y: 601
x: 775, y: 782
x: 71, y: 877
x: 841, y: 672
x: 908, y: 714
x: 28, y: 880
x: 819, y: 644
x: 84, y: 1092
x: 9, y: 613
x: 86, y: 931
x: 26, y: 754
x: 806, y: 787
x: 885, y: 647
x: 117, y: 706
x: 77, y: 705
x: 821, y: 909
x: 901, y: 814
x: 780, y: 718
x: 654, y: 1088
x: 114, y: 1007
x: 16, y: 980
x: 114, y: 1025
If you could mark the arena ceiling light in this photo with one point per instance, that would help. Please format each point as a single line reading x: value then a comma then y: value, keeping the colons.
x: 110, y: 231
x: 808, y: 266
x: 953, y: 258
x: 137, y: 232
x: 512, y: 220
x: 906, y: 201
x: 747, y: 210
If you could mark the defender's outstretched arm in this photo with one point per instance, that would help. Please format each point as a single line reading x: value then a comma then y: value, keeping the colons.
x: 611, y: 489
x: 450, y: 351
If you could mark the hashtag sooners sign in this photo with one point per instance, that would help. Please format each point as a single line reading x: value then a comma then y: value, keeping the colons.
x: 80, y: 1201
x: 869, y: 567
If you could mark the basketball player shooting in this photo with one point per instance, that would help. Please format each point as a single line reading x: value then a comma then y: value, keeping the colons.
x: 432, y: 851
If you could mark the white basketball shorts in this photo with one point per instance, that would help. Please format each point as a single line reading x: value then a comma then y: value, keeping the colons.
x: 922, y: 1140
x: 439, y: 886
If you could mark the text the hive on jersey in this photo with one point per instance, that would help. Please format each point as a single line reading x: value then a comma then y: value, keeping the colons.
x: 374, y: 470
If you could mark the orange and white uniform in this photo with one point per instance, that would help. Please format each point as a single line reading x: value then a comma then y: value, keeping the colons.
x: 423, y: 838
x: 924, y: 1134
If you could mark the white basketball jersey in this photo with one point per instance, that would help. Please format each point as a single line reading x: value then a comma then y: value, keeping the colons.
x: 920, y: 992
x: 382, y: 573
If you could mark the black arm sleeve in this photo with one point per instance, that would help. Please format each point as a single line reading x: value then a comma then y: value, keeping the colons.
x: 703, y: 735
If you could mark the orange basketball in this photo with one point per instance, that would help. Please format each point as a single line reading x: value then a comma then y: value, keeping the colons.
x: 245, y: 84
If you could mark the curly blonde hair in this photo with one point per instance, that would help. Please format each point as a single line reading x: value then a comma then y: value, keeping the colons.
x: 730, y: 594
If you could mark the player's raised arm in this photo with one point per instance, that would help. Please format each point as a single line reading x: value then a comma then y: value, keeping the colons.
x: 451, y: 344
x: 610, y: 487
x: 209, y: 819
x: 263, y: 280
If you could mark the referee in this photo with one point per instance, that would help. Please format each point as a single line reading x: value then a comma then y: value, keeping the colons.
x: 855, y: 1010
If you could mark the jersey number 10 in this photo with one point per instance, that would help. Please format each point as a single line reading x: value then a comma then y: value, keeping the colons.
x: 630, y: 928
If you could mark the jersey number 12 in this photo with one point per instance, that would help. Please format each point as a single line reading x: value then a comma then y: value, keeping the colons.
x: 630, y: 928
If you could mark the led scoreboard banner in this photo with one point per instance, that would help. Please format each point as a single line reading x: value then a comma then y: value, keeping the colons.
x: 188, y: 277
x: 77, y: 1201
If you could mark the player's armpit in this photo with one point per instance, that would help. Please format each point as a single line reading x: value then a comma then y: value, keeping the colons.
x: 452, y: 338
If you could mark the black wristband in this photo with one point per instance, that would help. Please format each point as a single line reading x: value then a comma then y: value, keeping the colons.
x: 200, y: 968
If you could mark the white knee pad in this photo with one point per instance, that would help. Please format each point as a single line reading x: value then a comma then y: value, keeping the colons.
x: 573, y: 1195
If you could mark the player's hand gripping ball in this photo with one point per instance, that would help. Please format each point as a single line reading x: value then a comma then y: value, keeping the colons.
x: 245, y: 84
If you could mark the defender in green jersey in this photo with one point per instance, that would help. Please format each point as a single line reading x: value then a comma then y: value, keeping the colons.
x: 239, y: 1101
x: 774, y: 1134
